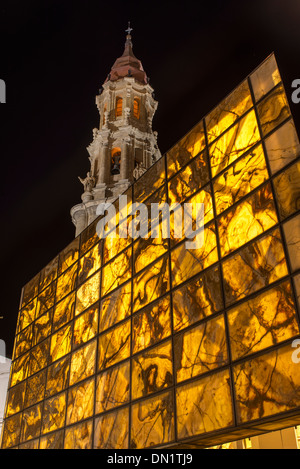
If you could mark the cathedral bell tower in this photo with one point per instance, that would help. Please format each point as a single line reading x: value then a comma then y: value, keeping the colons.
x: 124, y: 145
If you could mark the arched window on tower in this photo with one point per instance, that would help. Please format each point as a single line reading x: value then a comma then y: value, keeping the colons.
x: 115, y: 160
x: 136, y: 107
x: 119, y: 105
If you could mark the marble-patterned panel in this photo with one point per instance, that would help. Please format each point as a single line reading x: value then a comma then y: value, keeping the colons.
x: 292, y: 237
x: 152, y: 421
x: 30, y: 290
x: 15, y: 399
x: 189, y: 180
x: 113, y: 387
x: 282, y: 146
x: 152, y: 371
x: 200, y: 349
x: 150, y: 181
x: 66, y: 282
x: 267, y: 385
x: 89, y: 237
x: 88, y: 293
x: 80, y: 402
x: 69, y: 255
x: 83, y: 363
x: 31, y: 423
x: 253, y: 267
x: 64, y: 311
x: 245, y: 175
x: 23, y: 341
x: 265, y: 77
x: 11, y: 431
x: 204, y: 405
x: 197, y: 299
x: 152, y: 325
x: 79, y: 436
x: 114, y: 345
x: 60, y: 343
x: 19, y: 369
x: 273, y: 110
x: 85, y: 326
x: 263, y: 321
x: 234, y: 143
x: 186, y: 149
x: 90, y: 263
x: 54, y: 413
x: 27, y: 315
x: 42, y: 327
x: 116, y: 272
x: 188, y: 262
x: 39, y: 357
x: 57, y: 377
x: 111, y: 430
x: 150, y: 284
x: 248, y: 219
x: 48, y: 274
x: 45, y: 299
x: 228, y: 111
x: 35, y: 389
x: 287, y: 190
x: 53, y: 441
x: 115, y: 307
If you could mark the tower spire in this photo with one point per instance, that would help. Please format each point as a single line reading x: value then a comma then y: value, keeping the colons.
x: 129, y: 29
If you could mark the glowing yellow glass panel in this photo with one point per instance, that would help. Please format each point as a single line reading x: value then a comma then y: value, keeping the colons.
x: 20, y: 369
x: 266, y: 320
x: 152, y: 422
x: 54, y: 413
x: 273, y: 110
x: 247, y: 220
x: 292, y: 236
x: 79, y: 436
x: 188, y: 147
x: 85, y: 326
x: 42, y: 327
x: 152, y: 325
x: 11, y: 431
x: 27, y: 315
x: 45, y: 299
x: 57, y: 377
x: 152, y: 283
x: 262, y: 383
x: 39, y: 357
x: 48, y: 274
x: 236, y: 141
x: 35, y: 389
x: 254, y: 267
x: 111, y: 430
x: 89, y: 263
x: 265, y: 77
x: 197, y: 299
x: 116, y: 272
x: 114, y: 345
x: 80, y: 402
x: 113, y: 388
x: 200, y: 349
x: 198, y: 412
x: 52, y: 441
x: 68, y: 256
x: 148, y: 250
x: 240, y: 179
x: 150, y: 181
x: 83, y: 363
x: 60, y: 343
x: 226, y: 113
x: 115, y: 307
x: 64, y: 311
x: 31, y: 423
x: 189, y: 262
x: 152, y: 370
x: 66, y: 282
x: 189, y: 180
x: 15, y: 400
x: 287, y: 190
x: 88, y: 293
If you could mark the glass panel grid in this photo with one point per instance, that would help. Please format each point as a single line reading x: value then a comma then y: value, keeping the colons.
x: 139, y: 344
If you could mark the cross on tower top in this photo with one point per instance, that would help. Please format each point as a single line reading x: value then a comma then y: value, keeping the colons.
x: 129, y: 29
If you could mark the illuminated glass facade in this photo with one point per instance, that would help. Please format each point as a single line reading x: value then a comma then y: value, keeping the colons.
x: 125, y: 343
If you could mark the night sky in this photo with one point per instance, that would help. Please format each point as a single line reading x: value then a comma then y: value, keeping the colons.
x: 55, y: 55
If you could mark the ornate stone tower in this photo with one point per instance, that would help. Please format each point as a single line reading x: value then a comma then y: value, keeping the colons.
x: 125, y: 145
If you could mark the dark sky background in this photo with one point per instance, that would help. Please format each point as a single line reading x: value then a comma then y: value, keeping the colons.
x: 55, y: 55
